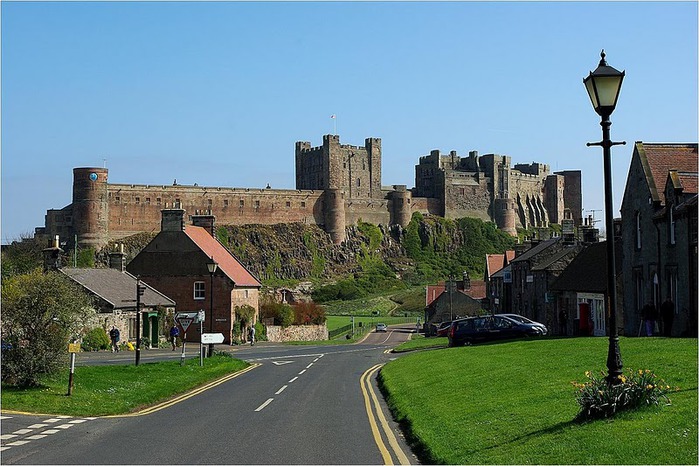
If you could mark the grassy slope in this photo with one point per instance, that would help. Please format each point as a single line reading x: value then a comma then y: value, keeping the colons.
x: 514, y: 403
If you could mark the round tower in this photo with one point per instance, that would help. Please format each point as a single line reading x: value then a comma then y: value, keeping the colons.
x: 401, y: 211
x: 90, y: 206
x: 335, y: 215
x: 505, y: 215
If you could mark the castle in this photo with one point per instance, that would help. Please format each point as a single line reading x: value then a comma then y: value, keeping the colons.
x: 337, y: 185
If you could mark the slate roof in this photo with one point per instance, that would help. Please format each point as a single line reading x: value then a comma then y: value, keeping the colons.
x: 117, y: 288
x: 533, y: 251
x: 227, y: 262
x: 658, y: 159
x: 554, y: 262
x: 587, y: 273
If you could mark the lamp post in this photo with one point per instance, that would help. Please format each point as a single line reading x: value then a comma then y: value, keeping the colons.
x: 603, y: 86
x: 212, y: 266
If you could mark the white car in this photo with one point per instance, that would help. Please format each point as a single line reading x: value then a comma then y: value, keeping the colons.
x: 381, y: 328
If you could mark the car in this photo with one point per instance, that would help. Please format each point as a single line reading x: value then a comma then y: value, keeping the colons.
x: 381, y: 328
x: 489, y: 328
x: 521, y: 319
x: 443, y: 329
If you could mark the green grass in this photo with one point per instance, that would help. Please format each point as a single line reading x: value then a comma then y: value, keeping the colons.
x: 513, y: 403
x: 108, y: 390
x: 334, y: 322
x: 419, y: 342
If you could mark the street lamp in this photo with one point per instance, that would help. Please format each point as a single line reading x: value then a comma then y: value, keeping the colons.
x: 603, y: 86
x: 212, y: 266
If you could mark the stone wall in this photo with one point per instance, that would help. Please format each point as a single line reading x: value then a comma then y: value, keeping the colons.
x: 276, y: 333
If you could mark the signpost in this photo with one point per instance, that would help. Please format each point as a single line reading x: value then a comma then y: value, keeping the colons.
x: 185, y: 319
x: 211, y: 338
x: 72, y: 349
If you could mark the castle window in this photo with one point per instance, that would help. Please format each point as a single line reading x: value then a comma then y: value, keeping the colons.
x: 225, y: 203
x: 257, y: 204
x: 138, y: 200
x: 359, y: 182
x: 241, y: 203
x: 288, y: 204
x: 210, y: 203
x: 117, y: 199
x: 199, y: 290
x: 178, y: 203
x: 303, y: 203
x: 158, y: 200
x: 463, y: 191
x: 148, y: 200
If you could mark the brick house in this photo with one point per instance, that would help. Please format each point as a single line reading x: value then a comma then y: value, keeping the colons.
x: 175, y: 261
x: 465, y: 299
x: 497, y: 293
x: 659, y: 230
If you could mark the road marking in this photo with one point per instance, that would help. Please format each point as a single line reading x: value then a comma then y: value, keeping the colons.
x: 37, y: 426
x: 4, y: 448
x: 65, y: 426
x: 320, y: 355
x: 50, y: 431
x: 5, y: 417
x: 36, y: 437
x: 77, y: 421
x: 281, y: 390
x: 281, y: 363
x: 22, y: 431
x: 264, y: 405
x: 316, y: 359
x: 7, y: 436
x: 293, y: 379
x: 309, y: 366
x: 368, y: 390
x: 302, y: 371
x: 18, y: 443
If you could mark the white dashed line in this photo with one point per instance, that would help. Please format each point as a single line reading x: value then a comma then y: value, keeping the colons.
x: 18, y: 443
x: 264, y: 405
x: 36, y: 437
x: 5, y: 417
x: 50, y: 431
x: 4, y: 448
x: 7, y: 436
x: 293, y: 379
x: 281, y: 390
x: 302, y: 371
x: 37, y: 426
x: 309, y: 366
x: 65, y: 426
x: 22, y: 431
x: 77, y: 421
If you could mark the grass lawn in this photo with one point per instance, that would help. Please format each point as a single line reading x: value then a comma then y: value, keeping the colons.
x: 105, y: 390
x: 513, y: 403
x: 419, y: 342
x: 334, y: 322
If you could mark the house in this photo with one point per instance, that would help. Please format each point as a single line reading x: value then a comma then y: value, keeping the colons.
x: 659, y: 231
x: 580, y: 293
x: 533, y: 271
x: 114, y: 295
x: 452, y: 300
x: 498, y: 298
x: 177, y: 262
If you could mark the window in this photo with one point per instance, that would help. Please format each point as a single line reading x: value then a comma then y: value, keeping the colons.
x: 672, y: 286
x: 199, y: 290
x: 242, y: 203
x: 210, y: 203
x: 288, y: 204
x: 671, y: 225
x: 158, y: 200
x: 247, y: 294
x: 359, y: 182
x: 638, y: 230
x: 225, y: 203
x: 148, y: 200
x: 117, y: 199
x: 138, y: 200
x: 303, y: 203
x: 257, y: 204
x: 638, y: 289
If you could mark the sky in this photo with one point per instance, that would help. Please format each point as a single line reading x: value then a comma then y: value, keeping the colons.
x: 217, y: 93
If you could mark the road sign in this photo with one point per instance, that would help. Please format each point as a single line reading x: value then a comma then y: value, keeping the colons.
x: 184, y: 322
x: 211, y: 338
x: 73, y: 347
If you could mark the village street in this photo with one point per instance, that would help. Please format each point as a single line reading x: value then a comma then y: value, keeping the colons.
x: 297, y: 405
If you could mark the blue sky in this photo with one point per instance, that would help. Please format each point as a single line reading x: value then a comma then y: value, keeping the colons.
x: 218, y: 93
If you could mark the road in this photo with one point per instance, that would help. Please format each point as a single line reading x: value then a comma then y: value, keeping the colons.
x: 297, y: 405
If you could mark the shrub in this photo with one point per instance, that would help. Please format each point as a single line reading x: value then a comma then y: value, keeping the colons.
x: 95, y: 339
x: 600, y: 399
x: 308, y: 313
x: 260, y: 332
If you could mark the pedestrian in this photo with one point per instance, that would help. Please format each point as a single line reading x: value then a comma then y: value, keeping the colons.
x: 252, y: 335
x: 174, y: 333
x: 650, y: 315
x: 114, y: 337
x: 667, y: 314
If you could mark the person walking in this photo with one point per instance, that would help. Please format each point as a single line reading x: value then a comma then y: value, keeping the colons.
x: 114, y: 337
x: 667, y: 314
x: 174, y: 333
x: 650, y: 315
x: 252, y: 335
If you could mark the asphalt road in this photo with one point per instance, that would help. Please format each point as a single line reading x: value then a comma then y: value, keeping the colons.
x: 298, y: 405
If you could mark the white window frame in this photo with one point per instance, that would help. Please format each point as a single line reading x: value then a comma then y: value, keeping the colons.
x: 199, y: 291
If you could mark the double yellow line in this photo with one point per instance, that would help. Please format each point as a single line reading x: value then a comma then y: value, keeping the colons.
x: 189, y: 394
x: 369, y: 398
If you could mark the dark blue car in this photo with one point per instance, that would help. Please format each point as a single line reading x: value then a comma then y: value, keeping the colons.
x: 489, y: 328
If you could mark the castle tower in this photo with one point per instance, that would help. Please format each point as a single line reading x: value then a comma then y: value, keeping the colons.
x: 335, y: 215
x: 90, y: 206
x: 504, y: 210
x: 401, y: 211
x: 373, y: 148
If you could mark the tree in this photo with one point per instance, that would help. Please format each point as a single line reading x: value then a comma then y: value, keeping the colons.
x: 41, y: 314
x: 22, y: 256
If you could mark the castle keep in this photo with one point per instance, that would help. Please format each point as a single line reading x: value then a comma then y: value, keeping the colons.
x: 337, y: 185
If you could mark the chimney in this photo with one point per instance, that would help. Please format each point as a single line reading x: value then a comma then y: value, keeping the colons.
x: 206, y: 221
x: 172, y: 219
x: 52, y: 256
x: 467, y: 281
x: 117, y: 259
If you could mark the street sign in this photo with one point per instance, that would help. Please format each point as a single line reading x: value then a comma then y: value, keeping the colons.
x: 73, y: 347
x: 211, y: 338
x: 184, y: 322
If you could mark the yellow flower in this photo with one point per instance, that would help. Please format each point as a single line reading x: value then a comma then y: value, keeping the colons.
x: 649, y: 386
x: 587, y: 374
x: 640, y: 372
x: 622, y: 378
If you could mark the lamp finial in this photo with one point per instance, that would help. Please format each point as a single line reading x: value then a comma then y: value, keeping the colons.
x: 603, y: 62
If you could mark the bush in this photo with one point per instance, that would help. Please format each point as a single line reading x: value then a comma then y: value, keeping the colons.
x: 283, y: 314
x: 95, y: 339
x: 599, y: 399
x: 308, y: 314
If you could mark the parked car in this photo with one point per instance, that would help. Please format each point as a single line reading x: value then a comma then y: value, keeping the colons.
x: 488, y: 328
x: 521, y: 319
x: 443, y: 329
x: 381, y: 327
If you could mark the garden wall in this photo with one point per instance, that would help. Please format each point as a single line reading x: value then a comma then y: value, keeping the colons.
x: 276, y: 333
